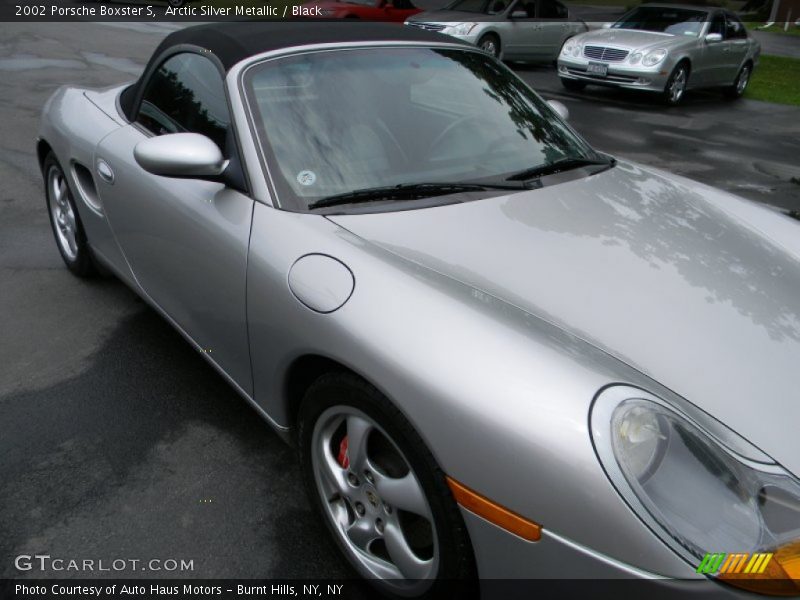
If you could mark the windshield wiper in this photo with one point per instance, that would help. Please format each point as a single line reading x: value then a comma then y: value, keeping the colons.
x: 562, y: 164
x: 409, y: 191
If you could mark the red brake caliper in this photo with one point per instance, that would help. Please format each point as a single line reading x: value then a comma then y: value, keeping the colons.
x: 343, y: 459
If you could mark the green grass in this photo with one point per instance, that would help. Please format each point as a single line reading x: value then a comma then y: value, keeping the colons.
x: 775, y: 80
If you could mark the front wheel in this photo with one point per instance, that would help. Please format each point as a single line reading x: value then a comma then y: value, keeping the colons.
x: 676, y: 85
x: 65, y: 221
x: 490, y: 44
x: 379, y: 490
x: 740, y: 84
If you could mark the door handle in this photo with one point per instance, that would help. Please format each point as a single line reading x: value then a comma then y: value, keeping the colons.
x: 105, y: 171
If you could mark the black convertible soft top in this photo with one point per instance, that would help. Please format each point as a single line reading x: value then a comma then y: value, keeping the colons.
x: 233, y: 42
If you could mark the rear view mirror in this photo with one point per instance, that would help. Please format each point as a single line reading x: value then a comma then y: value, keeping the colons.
x: 557, y: 106
x: 713, y: 37
x: 519, y: 14
x: 180, y: 155
x: 606, y: 25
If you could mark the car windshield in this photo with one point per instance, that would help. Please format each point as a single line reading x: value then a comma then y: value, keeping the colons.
x: 339, y: 121
x: 677, y: 21
x: 484, y: 7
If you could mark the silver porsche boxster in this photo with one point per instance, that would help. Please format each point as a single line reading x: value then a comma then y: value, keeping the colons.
x: 663, y: 48
x: 500, y: 352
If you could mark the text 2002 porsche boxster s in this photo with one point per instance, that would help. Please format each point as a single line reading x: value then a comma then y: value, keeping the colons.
x: 500, y: 352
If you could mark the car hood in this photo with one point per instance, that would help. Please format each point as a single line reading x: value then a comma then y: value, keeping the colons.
x: 452, y: 16
x: 629, y: 38
x: 645, y: 266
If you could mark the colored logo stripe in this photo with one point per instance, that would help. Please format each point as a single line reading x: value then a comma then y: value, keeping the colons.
x: 721, y: 562
x: 711, y: 563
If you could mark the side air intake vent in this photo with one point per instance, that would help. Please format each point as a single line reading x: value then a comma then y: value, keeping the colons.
x: 86, y: 187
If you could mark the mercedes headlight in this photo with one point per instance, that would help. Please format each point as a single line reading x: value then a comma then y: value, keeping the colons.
x: 635, y: 58
x: 571, y: 48
x: 459, y: 28
x: 654, y: 57
x: 701, y: 487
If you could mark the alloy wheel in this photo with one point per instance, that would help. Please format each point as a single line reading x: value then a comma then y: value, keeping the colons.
x: 374, y: 500
x: 677, y: 86
x: 743, y: 80
x: 490, y: 46
x: 66, y: 228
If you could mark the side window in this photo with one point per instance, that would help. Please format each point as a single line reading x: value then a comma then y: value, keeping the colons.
x: 735, y: 28
x: 186, y: 93
x: 551, y: 9
x: 526, y: 6
x: 717, y: 25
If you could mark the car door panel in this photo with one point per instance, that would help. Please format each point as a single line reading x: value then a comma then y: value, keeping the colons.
x: 186, y: 242
x: 554, y: 28
x: 522, y: 37
x: 738, y: 48
x: 716, y: 56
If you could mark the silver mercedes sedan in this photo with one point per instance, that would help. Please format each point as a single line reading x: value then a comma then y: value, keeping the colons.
x: 666, y: 49
x: 528, y: 30
x: 499, y: 352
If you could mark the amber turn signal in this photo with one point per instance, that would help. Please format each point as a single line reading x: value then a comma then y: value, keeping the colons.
x: 781, y: 577
x: 494, y: 513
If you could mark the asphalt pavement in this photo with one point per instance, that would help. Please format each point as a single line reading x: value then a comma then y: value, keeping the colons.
x: 778, y: 44
x: 116, y: 439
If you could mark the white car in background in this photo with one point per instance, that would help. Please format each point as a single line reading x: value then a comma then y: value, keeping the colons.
x: 533, y: 30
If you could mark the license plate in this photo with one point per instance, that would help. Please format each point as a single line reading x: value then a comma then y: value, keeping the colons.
x: 600, y: 69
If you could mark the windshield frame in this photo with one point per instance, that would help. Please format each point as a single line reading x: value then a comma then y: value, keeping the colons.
x: 708, y: 14
x: 249, y: 116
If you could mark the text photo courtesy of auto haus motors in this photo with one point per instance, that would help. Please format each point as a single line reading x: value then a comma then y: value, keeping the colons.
x: 400, y: 298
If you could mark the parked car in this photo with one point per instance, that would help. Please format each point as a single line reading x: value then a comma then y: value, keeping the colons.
x: 667, y: 49
x: 531, y: 30
x: 499, y: 352
x: 369, y: 10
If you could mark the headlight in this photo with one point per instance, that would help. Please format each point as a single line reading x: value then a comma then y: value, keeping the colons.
x: 459, y: 28
x: 654, y: 57
x: 697, y: 484
x: 571, y: 48
x: 635, y: 58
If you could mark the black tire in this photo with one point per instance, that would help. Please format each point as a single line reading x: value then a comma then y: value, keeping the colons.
x: 739, y: 86
x: 490, y: 44
x: 81, y: 263
x: 679, y: 77
x: 573, y: 85
x: 176, y: 3
x: 456, y: 565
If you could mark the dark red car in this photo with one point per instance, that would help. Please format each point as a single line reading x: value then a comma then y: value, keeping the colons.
x: 370, y: 10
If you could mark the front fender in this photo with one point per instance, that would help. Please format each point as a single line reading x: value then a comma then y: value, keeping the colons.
x: 500, y: 397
